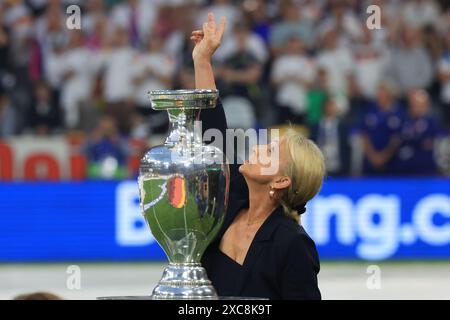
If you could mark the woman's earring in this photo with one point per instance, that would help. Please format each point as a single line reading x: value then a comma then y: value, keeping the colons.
x: 271, y: 192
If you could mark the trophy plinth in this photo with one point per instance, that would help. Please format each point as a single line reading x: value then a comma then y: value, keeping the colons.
x: 183, y: 188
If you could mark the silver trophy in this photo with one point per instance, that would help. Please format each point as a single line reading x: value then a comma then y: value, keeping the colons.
x: 183, y: 188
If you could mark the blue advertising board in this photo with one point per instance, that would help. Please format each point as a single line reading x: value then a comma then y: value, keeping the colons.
x: 366, y: 219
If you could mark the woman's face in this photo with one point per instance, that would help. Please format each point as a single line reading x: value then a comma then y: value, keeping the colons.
x: 266, y: 162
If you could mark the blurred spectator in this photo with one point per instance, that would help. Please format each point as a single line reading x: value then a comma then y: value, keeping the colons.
x: 338, y: 64
x: 343, y: 21
x: 331, y: 135
x: 254, y: 44
x: 140, y: 127
x: 317, y: 95
x: 420, y: 13
x: 152, y: 70
x: 257, y: 12
x: 292, y: 75
x: 444, y: 79
x: 44, y: 114
x: 419, y: 132
x: 17, y: 20
x: 291, y: 24
x: 96, y: 39
x: 7, y: 117
x: 136, y: 18
x: 118, y: 91
x: 410, y: 65
x: 106, y: 151
x: 77, y: 72
x: 4, y: 54
x: 241, y: 71
x: 380, y: 128
x: 370, y: 64
x: 94, y: 12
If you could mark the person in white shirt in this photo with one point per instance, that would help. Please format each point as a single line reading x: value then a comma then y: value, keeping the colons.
x: 153, y: 70
x: 77, y: 75
x: 292, y: 74
x: 344, y: 21
x: 137, y: 18
x: 371, y: 60
x: 116, y: 65
x: 338, y: 64
x: 419, y: 13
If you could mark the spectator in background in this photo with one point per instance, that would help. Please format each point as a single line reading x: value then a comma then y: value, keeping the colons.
x: 106, y: 151
x: 7, y: 116
x: 45, y: 115
x: 241, y: 71
x: 94, y: 11
x: 77, y: 73
x: 410, y: 65
x: 292, y: 74
x: 343, y: 21
x: 136, y: 18
x: 96, y: 40
x: 51, y: 35
x: 380, y: 129
x: 331, y: 136
x: 254, y: 44
x: 338, y: 64
x: 316, y: 98
x: 370, y: 61
x: 370, y: 64
x: 152, y: 70
x: 259, y: 19
x: 291, y: 24
x: 420, y: 13
x: 419, y: 132
x: 444, y: 80
x: 4, y: 53
x: 16, y: 18
x: 118, y: 91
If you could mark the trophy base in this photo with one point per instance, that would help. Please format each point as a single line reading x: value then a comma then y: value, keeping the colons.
x: 184, y: 281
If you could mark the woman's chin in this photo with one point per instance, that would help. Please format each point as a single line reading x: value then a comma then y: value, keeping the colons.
x: 243, y: 167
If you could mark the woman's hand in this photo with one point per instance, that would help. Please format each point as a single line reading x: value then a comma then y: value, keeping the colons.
x: 207, y: 40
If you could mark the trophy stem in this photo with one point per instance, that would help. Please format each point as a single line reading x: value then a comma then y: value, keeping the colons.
x: 182, y: 129
x: 184, y: 281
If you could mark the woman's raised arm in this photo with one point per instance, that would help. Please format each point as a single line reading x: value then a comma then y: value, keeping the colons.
x: 206, y: 42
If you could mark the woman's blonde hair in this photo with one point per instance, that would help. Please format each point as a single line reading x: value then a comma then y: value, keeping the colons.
x: 306, y: 168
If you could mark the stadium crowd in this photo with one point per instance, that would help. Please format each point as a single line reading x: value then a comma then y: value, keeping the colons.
x: 376, y: 101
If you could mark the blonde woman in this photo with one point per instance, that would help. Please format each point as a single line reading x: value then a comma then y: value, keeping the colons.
x: 261, y: 250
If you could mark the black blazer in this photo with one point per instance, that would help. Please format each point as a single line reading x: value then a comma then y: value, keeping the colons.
x: 282, y: 261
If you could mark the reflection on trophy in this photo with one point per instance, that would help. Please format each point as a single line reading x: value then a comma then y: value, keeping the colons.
x: 183, y: 187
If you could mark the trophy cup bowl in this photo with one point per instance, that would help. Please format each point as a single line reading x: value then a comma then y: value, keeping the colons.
x: 183, y: 189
